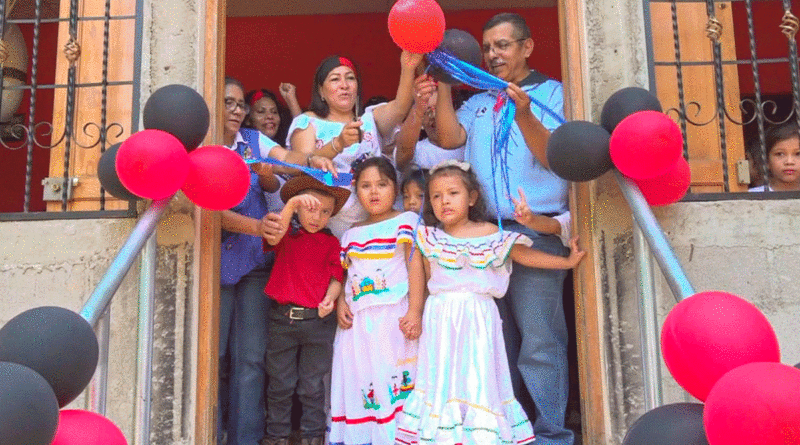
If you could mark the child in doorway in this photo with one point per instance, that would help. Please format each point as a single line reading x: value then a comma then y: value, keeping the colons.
x: 375, y: 349
x: 305, y: 281
x: 783, y: 159
x: 463, y: 391
x: 413, y: 189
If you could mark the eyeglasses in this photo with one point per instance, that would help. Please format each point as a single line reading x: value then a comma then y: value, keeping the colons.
x: 231, y: 104
x: 501, y: 46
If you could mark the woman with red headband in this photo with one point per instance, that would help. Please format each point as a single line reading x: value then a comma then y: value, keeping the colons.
x: 332, y: 128
x: 268, y: 115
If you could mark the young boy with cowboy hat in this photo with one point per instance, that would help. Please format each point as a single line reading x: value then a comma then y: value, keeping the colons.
x: 305, y: 281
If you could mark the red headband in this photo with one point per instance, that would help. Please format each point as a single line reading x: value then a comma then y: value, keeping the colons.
x: 346, y: 62
x: 256, y: 97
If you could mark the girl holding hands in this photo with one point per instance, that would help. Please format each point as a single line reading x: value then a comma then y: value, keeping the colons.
x: 463, y: 391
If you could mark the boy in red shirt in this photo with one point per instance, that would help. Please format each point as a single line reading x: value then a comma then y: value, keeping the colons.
x: 305, y: 281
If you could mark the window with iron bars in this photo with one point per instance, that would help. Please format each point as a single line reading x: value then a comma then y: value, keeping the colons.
x: 70, y: 89
x: 726, y: 72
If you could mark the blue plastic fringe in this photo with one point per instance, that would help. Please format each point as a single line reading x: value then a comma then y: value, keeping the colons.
x: 503, y: 116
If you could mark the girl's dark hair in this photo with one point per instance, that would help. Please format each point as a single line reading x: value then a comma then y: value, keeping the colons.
x: 385, y: 168
x: 417, y: 175
x: 477, y: 212
x: 283, y: 112
x: 778, y: 133
x: 319, y: 106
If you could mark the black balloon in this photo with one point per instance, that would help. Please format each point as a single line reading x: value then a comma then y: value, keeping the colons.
x: 107, y: 174
x: 180, y: 111
x: 578, y: 151
x: 677, y: 423
x: 55, y: 342
x: 462, y: 45
x: 625, y: 102
x: 28, y: 407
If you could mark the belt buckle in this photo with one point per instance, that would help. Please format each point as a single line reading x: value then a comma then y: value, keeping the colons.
x: 298, y: 311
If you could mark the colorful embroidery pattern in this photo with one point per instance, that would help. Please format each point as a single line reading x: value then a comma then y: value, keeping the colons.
x: 379, y: 248
x: 401, y: 392
x: 368, y: 285
x: 369, y: 399
x: 453, y: 253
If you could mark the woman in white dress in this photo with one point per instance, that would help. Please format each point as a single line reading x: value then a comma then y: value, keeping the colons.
x: 331, y: 128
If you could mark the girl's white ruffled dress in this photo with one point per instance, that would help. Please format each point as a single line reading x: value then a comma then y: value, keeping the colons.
x: 373, y: 363
x: 463, y: 391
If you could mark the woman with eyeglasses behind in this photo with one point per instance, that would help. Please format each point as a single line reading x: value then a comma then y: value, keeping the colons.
x: 244, y: 269
x: 332, y: 129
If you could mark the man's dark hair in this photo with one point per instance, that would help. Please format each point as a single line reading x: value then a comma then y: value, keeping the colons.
x: 516, y: 20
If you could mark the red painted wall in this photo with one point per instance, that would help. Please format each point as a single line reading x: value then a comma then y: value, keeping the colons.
x: 13, y: 162
x: 774, y: 78
x: 265, y: 51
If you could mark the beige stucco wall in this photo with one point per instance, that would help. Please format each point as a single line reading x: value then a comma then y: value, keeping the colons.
x: 58, y: 263
x: 746, y: 247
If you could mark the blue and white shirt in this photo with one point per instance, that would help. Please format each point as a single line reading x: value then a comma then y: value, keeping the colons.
x: 546, y: 192
x: 242, y: 253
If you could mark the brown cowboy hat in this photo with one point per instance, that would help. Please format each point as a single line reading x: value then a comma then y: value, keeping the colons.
x: 304, y: 182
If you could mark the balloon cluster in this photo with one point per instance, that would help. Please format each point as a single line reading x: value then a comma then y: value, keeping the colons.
x: 164, y: 157
x: 721, y: 349
x: 635, y: 137
x: 47, y: 357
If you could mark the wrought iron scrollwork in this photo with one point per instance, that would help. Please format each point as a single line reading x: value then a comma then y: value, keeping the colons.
x: 749, y: 107
x: 45, y: 129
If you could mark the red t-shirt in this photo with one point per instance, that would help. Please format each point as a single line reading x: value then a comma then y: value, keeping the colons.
x: 304, y: 265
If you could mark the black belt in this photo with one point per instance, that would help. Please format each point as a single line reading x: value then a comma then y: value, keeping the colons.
x: 294, y: 312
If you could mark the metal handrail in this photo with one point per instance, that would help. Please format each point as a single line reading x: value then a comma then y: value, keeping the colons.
x: 650, y: 242
x: 108, y: 285
x: 141, y: 240
x: 676, y: 278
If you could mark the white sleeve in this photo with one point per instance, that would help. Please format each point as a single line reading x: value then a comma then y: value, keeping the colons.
x: 265, y: 145
x: 565, y: 219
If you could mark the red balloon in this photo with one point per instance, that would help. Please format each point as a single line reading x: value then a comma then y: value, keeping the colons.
x: 645, y: 144
x: 417, y: 25
x: 79, y: 427
x: 152, y: 164
x: 218, y: 178
x: 667, y: 188
x: 711, y: 333
x: 757, y: 403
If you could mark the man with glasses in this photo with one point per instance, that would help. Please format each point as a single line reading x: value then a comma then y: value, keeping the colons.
x: 532, y: 310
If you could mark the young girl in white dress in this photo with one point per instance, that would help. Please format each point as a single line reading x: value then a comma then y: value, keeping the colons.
x: 463, y: 391
x: 375, y: 349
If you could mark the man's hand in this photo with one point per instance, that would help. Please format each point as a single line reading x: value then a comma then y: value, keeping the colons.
x: 521, y: 99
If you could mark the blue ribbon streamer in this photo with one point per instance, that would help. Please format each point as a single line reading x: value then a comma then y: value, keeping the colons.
x: 504, y: 111
x: 322, y: 176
